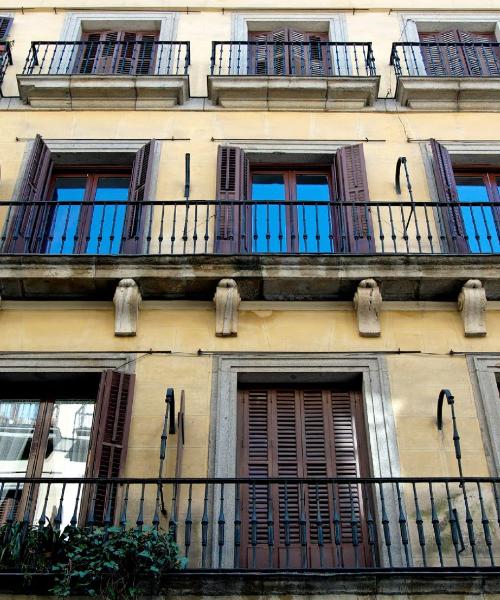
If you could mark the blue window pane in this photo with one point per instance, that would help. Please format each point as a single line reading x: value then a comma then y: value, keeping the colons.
x: 65, y: 218
x: 479, y: 221
x: 107, y: 223
x: 269, y: 232
x: 314, y: 222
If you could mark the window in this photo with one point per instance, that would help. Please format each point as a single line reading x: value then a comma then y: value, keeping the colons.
x: 93, y: 210
x: 118, y: 52
x: 55, y: 428
x: 294, y: 209
x: 5, y: 25
x: 288, y: 52
x: 308, y: 431
x: 458, y: 53
x: 467, y: 223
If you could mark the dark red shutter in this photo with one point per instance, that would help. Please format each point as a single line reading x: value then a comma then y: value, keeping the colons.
x: 232, y: 186
x: 451, y: 222
x: 5, y: 25
x: 28, y: 222
x: 355, y: 223
x: 482, y: 61
x: 108, y: 445
x: 445, y: 60
x: 139, y: 193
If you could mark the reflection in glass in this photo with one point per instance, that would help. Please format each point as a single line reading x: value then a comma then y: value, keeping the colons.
x: 66, y: 456
x: 313, y: 221
x: 65, y: 219
x: 106, y: 228
x: 269, y: 227
x: 17, y: 424
x: 479, y: 221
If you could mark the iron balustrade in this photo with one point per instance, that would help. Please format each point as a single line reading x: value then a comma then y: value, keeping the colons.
x: 305, y: 59
x: 108, y: 58
x: 282, y: 523
x: 262, y: 227
x: 5, y: 61
x: 442, y: 59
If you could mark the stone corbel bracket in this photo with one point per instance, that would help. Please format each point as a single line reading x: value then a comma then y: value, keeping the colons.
x: 367, y: 304
x: 227, y: 301
x: 472, y: 306
x: 127, y: 300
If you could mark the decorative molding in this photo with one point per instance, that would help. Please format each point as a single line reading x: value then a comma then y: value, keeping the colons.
x: 42, y: 362
x: 127, y: 300
x: 472, y: 306
x: 434, y: 21
x: 76, y: 22
x: 228, y: 369
x: 227, y: 301
x: 242, y: 23
x: 368, y: 304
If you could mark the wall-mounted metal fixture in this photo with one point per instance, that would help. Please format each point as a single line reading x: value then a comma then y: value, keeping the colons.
x: 187, y: 179
x: 168, y: 426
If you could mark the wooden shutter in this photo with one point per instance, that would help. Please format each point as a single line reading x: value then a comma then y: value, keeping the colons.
x: 482, y: 61
x: 443, y: 61
x: 5, y: 25
x: 231, y: 222
x: 139, y: 192
x: 27, y: 222
x: 270, y: 58
x: 307, y: 56
x: 354, y: 222
x: 452, y: 224
x: 108, y: 442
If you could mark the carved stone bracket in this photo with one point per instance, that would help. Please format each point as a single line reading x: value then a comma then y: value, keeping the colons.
x: 472, y: 306
x: 227, y: 301
x: 367, y: 304
x: 127, y: 299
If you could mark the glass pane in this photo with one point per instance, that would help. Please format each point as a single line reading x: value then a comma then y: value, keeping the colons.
x: 65, y: 456
x: 479, y: 221
x: 65, y: 218
x: 269, y: 227
x: 17, y: 424
x: 314, y: 222
x: 106, y: 228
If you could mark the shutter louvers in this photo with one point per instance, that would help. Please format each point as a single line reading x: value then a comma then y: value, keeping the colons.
x: 145, y: 55
x: 127, y: 54
x: 108, y: 446
x: 356, y: 230
x: 451, y: 220
x: 482, y: 61
x: 232, y: 184
x: 139, y: 192
x: 27, y: 222
x: 5, y: 25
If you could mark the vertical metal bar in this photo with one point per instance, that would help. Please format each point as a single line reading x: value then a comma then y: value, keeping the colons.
x: 452, y: 517
x: 385, y: 525
x: 222, y: 524
x: 270, y: 526
x: 303, y: 526
x: 140, y: 517
x: 486, y: 525
x: 420, y: 525
x: 237, y: 527
x: 403, y: 527
x: 253, y: 527
x: 319, y: 530
x: 286, y: 527
x: 337, y: 527
x: 123, y: 512
x: 188, y: 522
x: 435, y: 525
x: 204, y: 529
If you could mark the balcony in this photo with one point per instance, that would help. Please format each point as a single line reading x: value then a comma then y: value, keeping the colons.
x: 283, y: 250
x: 431, y: 531
x: 447, y: 76
x: 5, y: 61
x: 105, y: 74
x: 293, y: 75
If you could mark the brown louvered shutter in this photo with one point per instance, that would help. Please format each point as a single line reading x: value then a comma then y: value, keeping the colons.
x: 443, y: 61
x: 27, y: 222
x: 139, y: 192
x: 451, y: 222
x: 354, y: 222
x: 272, y: 56
x: 308, y: 57
x: 144, y: 54
x: 5, y: 25
x: 108, y: 443
x: 482, y: 61
x: 231, y: 222
x: 99, y: 53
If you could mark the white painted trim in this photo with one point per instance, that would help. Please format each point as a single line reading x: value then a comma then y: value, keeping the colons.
x: 76, y: 22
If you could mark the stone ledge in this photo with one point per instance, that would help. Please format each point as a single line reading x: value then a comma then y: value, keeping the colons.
x: 292, y: 93
x: 259, y: 277
x: 120, y: 92
x: 449, y: 93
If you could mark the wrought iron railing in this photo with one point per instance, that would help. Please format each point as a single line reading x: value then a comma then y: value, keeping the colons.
x: 283, y: 523
x: 440, y: 59
x: 5, y: 61
x: 261, y: 227
x: 305, y: 59
x: 108, y: 58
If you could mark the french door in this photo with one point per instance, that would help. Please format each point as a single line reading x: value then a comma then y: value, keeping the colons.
x: 302, y: 432
x: 293, y: 214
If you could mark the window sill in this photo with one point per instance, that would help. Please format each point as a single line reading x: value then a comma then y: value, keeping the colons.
x: 449, y: 93
x: 292, y: 93
x: 119, y: 92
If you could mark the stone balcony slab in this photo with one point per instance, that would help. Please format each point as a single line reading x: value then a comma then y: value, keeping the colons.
x: 119, y: 92
x: 292, y: 93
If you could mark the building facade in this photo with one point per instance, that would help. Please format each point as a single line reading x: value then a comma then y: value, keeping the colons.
x: 248, y: 252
